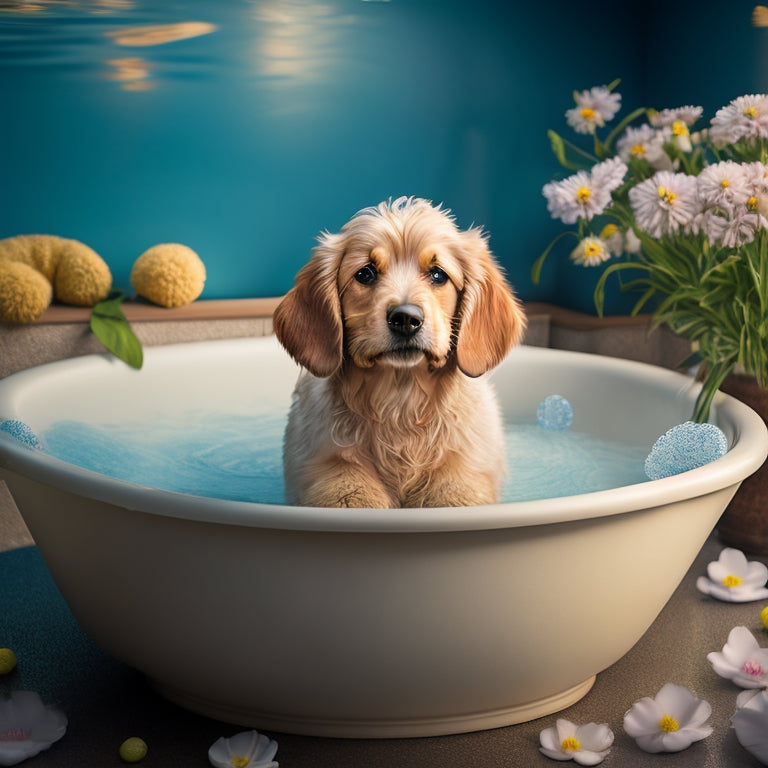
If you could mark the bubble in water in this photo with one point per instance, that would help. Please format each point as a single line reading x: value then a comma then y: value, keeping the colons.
x: 685, y: 446
x: 21, y: 431
x: 555, y: 413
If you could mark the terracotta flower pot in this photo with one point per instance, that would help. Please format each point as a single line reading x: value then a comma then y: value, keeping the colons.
x: 744, y: 524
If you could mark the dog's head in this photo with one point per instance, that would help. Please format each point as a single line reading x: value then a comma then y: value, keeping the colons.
x: 400, y: 285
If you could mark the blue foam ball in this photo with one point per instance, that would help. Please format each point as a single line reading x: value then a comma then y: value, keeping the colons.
x: 685, y: 447
x: 21, y: 431
x: 555, y: 413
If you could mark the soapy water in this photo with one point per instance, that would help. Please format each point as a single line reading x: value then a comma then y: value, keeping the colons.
x: 239, y: 457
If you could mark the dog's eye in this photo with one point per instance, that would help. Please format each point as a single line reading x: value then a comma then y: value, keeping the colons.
x: 367, y: 275
x: 438, y: 276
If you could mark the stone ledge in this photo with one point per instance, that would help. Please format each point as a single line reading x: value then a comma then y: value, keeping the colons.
x: 64, y: 332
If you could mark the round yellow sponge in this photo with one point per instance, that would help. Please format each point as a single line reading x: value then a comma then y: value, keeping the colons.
x: 169, y: 274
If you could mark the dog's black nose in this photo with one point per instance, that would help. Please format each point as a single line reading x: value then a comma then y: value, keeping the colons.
x: 405, y: 319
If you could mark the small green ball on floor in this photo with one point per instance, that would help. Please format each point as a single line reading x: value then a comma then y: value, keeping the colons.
x: 133, y: 749
x: 7, y: 661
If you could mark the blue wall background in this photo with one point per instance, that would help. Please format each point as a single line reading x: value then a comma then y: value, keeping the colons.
x: 293, y: 114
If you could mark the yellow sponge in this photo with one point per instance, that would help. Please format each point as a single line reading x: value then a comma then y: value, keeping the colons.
x: 34, y: 269
x: 169, y: 274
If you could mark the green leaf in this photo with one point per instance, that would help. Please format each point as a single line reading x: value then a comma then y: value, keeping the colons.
x: 111, y: 328
x: 539, y: 263
x: 559, y: 145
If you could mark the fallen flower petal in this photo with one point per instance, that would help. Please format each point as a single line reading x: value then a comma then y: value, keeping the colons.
x: 587, y: 744
x: 734, y: 579
x: 670, y: 722
x: 742, y: 660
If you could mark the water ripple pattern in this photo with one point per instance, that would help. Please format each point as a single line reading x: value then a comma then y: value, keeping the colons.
x: 239, y: 457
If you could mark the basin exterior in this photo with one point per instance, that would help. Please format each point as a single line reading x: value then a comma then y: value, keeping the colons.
x: 366, y: 623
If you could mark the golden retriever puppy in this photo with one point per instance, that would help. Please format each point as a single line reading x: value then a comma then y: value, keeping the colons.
x: 396, y: 318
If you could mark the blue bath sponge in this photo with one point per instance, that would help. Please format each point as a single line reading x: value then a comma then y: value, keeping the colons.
x: 685, y: 447
x: 21, y: 432
x: 555, y: 413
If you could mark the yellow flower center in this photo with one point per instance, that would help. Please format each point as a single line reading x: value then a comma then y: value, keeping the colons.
x: 609, y: 230
x: 583, y: 194
x: 592, y: 249
x: 638, y: 150
x: 679, y: 128
x: 731, y: 581
x: 239, y: 761
x: 571, y: 744
x: 750, y: 112
x: 588, y: 113
x: 725, y: 183
x: 669, y: 724
x: 752, y: 203
x: 666, y: 195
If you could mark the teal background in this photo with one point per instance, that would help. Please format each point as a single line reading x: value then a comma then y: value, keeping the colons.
x: 247, y: 142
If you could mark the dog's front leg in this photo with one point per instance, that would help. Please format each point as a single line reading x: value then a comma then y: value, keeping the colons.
x: 335, y: 482
x: 453, y: 485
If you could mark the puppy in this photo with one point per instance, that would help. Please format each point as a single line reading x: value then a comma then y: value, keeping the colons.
x: 396, y: 318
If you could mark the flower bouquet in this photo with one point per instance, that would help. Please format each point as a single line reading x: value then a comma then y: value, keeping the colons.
x: 681, y: 215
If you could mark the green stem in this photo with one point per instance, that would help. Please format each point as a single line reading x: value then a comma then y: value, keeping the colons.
x: 712, y: 383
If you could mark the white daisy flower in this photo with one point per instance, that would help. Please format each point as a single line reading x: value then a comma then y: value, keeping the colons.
x: 591, y: 252
x: 609, y: 174
x: 670, y: 722
x: 644, y: 143
x: 735, y: 229
x: 584, y: 195
x: 744, y: 118
x: 665, y: 203
x: 723, y: 185
x: 742, y: 660
x: 584, y: 744
x: 667, y: 117
x: 756, y: 175
x: 594, y: 108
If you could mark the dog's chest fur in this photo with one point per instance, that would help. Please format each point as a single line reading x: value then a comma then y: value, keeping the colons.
x: 397, y: 422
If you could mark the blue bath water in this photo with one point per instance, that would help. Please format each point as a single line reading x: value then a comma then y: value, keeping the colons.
x: 232, y: 456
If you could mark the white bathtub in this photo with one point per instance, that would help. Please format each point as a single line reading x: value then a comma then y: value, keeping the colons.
x: 368, y: 623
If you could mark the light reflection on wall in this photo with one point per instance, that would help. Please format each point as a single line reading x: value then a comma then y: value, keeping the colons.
x: 134, y: 73
x: 296, y: 42
x: 158, y: 34
x: 88, y: 6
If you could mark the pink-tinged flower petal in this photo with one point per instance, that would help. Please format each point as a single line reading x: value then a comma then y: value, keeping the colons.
x: 741, y: 644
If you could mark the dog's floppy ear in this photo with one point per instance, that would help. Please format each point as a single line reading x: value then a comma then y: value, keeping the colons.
x: 308, y: 321
x: 491, y: 319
